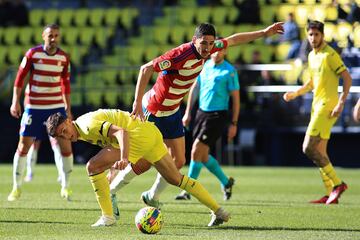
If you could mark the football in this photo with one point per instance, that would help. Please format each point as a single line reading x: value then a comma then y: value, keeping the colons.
x: 149, y: 220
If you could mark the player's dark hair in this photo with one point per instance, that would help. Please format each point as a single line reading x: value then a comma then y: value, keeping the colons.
x: 51, y: 26
x: 53, y: 122
x: 316, y: 25
x: 205, y: 29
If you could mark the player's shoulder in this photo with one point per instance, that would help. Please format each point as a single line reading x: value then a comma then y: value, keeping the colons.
x: 62, y: 52
x: 33, y: 50
x: 182, y: 50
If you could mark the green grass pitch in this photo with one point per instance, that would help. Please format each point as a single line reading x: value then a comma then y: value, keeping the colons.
x: 267, y: 203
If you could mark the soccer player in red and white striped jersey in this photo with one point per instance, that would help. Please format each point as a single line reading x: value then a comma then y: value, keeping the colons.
x: 49, y: 92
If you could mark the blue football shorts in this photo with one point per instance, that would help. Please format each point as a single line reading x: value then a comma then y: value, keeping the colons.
x: 33, y: 122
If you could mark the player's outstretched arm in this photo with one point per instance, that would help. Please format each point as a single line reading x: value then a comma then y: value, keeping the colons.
x: 145, y: 74
x: 238, y: 38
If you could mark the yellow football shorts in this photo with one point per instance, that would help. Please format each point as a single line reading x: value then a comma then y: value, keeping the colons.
x: 146, y: 142
x: 321, y: 124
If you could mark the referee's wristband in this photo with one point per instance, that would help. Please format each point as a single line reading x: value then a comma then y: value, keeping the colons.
x: 234, y: 123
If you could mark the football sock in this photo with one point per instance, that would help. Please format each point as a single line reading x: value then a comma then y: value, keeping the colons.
x: 18, y: 169
x: 196, y: 189
x: 158, y: 187
x: 194, y: 169
x: 123, y: 178
x: 57, y: 158
x: 31, y: 160
x: 330, y: 172
x: 327, y: 182
x: 213, y: 165
x: 102, y: 191
x: 67, y: 166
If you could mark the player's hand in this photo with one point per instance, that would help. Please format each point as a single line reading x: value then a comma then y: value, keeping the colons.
x: 288, y: 96
x: 337, y: 110
x: 356, y: 113
x: 186, y: 119
x: 232, y: 132
x: 121, y: 164
x: 137, y: 111
x: 15, y: 110
x: 276, y: 28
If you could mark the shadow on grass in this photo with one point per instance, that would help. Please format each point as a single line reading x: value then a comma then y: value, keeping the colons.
x: 42, y: 222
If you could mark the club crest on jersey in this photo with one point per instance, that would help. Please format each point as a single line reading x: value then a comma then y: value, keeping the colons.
x: 164, y: 64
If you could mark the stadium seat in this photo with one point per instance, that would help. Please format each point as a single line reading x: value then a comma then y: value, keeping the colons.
x: 267, y: 14
x: 356, y: 35
x: 15, y: 54
x: 87, y: 35
x: 76, y: 98
x: 319, y: 13
x: 36, y: 17
x: 93, y: 97
x: 233, y: 54
x: 225, y: 30
x: 331, y: 14
x: 310, y: 2
x: 344, y: 29
x: 188, y: 3
x: 37, y: 35
x: 96, y: 16
x: 281, y: 51
x: 3, y: 53
x: 127, y: 15
x: 81, y: 17
x: 283, y: 11
x: 51, y: 16
x: 151, y: 52
x: 25, y: 35
x: 111, y: 98
x: 302, y: 13
x: 177, y: 34
x: 185, y: 15
x: 202, y: 14
x: 218, y: 15
x: 70, y: 35
x: 161, y: 34
x: 111, y: 16
x: 9, y: 35
x: 102, y: 34
x: 330, y: 31
x: 135, y: 54
x: 66, y: 17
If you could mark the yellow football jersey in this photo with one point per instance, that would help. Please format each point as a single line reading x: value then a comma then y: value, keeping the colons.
x: 325, y: 67
x: 145, y: 139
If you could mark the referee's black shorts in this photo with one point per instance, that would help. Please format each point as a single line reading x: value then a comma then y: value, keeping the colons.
x: 209, y: 126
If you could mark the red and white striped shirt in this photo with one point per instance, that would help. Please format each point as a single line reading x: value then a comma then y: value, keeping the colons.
x: 178, y: 69
x: 49, y: 78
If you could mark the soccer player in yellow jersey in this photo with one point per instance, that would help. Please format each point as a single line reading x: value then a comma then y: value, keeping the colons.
x: 325, y: 67
x: 126, y: 140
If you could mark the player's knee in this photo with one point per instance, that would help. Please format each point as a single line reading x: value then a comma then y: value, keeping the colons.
x: 90, y: 167
x: 308, y: 150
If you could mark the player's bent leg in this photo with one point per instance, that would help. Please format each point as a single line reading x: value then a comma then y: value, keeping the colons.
x: 168, y: 170
x: 96, y: 167
x: 19, y: 165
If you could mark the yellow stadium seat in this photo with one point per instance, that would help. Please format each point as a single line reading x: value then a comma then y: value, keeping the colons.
x: 151, y: 52
x: 330, y: 31
x: 318, y: 13
x: 81, y: 17
x: 295, y: 2
x: 51, y: 16
x: 225, y: 30
x: 37, y: 35
x: 96, y: 16
x: 310, y: 2
x: 15, y: 54
x: 70, y: 35
x: 302, y: 13
x: 35, y: 17
x: 185, y: 15
x: 331, y: 14
x: 10, y: 34
x: 357, y: 36
x: 203, y: 14
x: 76, y: 98
x: 111, y: 98
x: 25, y: 35
x: 135, y: 54
x: 187, y: 3
x: 281, y: 51
x: 177, y: 34
x: 283, y: 11
x: 232, y: 14
x: 161, y: 34
x: 87, y: 35
x: 66, y: 17
x: 232, y: 54
x: 218, y: 15
x: 344, y: 29
x: 127, y: 15
x: 111, y: 16
x: 267, y: 14
x: 3, y: 53
x: 93, y: 97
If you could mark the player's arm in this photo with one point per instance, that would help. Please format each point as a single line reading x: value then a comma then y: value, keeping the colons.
x: 122, y: 137
x: 235, y: 97
x: 145, y: 74
x: 238, y: 38
x: 308, y: 86
x: 193, y: 96
x: 345, y: 75
x: 66, y: 89
x: 24, y: 68
x: 356, y: 113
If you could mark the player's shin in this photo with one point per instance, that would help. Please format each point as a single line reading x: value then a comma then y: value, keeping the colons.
x: 102, y: 191
x: 196, y: 189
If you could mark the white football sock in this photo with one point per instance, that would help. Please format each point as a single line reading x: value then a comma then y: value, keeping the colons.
x: 19, y: 165
x: 123, y: 178
x: 158, y: 187
x: 67, y: 166
x: 31, y: 160
x: 58, y: 160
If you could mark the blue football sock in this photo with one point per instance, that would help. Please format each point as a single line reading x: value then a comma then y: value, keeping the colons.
x: 214, y: 167
x: 194, y: 169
